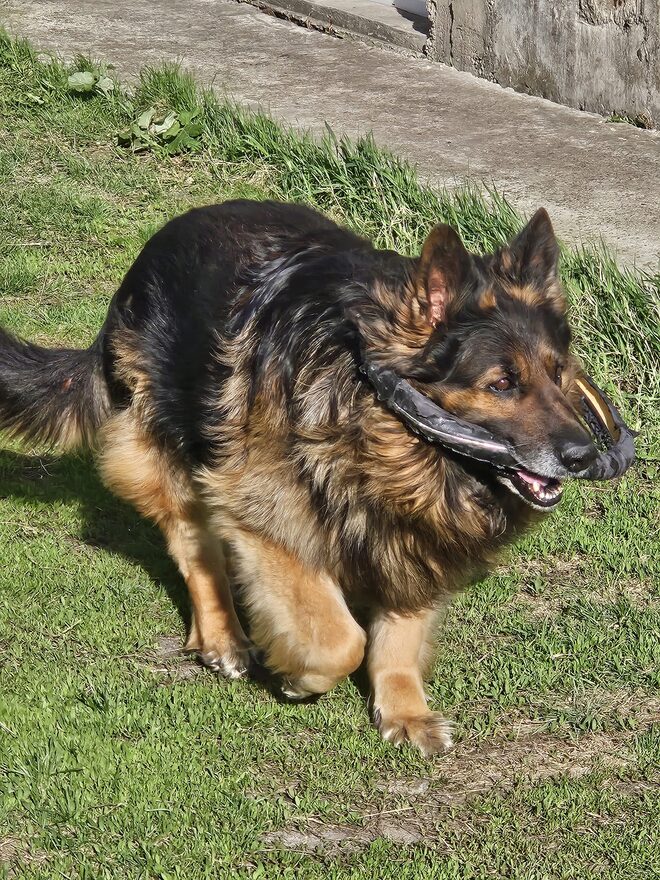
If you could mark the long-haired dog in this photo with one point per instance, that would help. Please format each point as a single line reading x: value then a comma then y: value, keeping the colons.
x: 224, y: 399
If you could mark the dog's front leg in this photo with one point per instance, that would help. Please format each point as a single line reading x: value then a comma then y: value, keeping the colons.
x: 298, y: 617
x: 398, y: 650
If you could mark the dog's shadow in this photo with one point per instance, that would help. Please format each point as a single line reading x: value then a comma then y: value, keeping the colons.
x: 108, y: 522
x: 114, y: 526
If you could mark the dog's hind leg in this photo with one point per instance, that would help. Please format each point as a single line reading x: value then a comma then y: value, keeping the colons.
x: 216, y: 634
x: 140, y: 472
x: 298, y: 618
x: 397, y: 653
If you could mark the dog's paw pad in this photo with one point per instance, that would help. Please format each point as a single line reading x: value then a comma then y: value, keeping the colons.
x: 431, y: 733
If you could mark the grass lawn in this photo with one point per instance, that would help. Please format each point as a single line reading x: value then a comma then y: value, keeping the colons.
x: 121, y: 759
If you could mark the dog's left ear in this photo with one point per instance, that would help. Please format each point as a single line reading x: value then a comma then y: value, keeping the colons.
x: 533, y: 255
x: 537, y: 251
x: 445, y: 269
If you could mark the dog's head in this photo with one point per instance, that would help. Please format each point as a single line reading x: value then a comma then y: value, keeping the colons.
x: 497, y: 352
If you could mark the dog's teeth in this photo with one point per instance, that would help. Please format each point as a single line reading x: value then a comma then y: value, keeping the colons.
x: 536, y: 486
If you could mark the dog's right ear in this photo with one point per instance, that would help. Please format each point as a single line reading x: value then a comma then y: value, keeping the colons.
x: 445, y: 269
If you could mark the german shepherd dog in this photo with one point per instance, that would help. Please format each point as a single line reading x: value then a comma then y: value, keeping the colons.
x: 224, y: 399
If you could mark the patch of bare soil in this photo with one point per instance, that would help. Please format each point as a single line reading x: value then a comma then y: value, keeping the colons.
x: 614, y: 709
x: 411, y: 808
x: 563, y: 582
x: 169, y: 661
x: 9, y: 849
x: 14, y: 854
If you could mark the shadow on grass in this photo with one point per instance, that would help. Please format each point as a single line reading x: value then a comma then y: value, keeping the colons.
x: 107, y: 521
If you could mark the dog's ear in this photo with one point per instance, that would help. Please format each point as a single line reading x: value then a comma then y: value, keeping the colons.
x: 533, y: 255
x: 530, y: 264
x: 445, y: 269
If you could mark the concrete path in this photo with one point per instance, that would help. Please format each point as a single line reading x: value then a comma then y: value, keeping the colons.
x: 597, y: 180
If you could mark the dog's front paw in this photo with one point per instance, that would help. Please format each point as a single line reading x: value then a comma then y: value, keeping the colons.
x: 431, y: 733
x: 230, y: 664
x: 293, y: 690
x: 229, y: 659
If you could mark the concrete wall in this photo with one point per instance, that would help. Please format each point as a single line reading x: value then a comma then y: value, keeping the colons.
x: 600, y: 55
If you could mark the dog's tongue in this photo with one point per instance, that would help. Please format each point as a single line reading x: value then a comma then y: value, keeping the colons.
x: 532, y: 478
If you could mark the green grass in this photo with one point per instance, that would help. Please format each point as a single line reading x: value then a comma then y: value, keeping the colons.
x: 118, y: 759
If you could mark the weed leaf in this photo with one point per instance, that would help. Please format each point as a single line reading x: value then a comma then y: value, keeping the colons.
x: 144, y: 119
x: 105, y: 85
x: 82, y: 81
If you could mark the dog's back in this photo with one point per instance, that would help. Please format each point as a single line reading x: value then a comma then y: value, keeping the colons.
x: 162, y: 322
x: 170, y: 315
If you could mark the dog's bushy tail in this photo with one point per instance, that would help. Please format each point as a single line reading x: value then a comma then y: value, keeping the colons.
x: 56, y: 396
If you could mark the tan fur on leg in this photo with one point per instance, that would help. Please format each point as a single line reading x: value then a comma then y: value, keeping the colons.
x: 298, y: 618
x: 140, y: 472
x: 216, y: 633
x: 398, y: 651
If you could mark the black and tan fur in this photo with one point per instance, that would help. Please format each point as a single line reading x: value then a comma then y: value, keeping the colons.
x: 224, y: 400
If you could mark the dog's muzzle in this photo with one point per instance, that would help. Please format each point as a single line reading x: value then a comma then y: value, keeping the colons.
x: 430, y: 421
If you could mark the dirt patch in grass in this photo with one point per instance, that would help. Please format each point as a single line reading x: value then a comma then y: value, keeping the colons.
x: 409, y: 810
x: 476, y: 769
x: 330, y: 838
x: 9, y: 849
x: 622, y: 703
x: 616, y: 711
x: 563, y: 581
x: 16, y: 854
x: 169, y: 661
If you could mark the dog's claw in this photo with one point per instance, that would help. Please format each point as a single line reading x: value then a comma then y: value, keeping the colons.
x: 231, y: 665
x: 291, y: 690
x: 431, y: 733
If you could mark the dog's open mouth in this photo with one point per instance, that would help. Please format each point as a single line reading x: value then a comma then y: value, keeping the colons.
x: 539, y: 491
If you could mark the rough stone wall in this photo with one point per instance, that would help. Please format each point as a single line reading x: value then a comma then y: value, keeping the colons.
x: 600, y: 55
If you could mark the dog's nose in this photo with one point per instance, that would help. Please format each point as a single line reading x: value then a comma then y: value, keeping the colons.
x: 576, y: 458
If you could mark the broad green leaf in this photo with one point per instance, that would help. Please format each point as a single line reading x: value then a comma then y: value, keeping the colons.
x: 167, y: 123
x: 172, y: 131
x: 188, y: 116
x: 105, y: 85
x: 83, y: 81
x: 144, y: 119
x: 177, y: 144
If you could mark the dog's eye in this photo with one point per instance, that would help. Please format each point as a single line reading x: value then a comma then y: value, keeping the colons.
x: 558, y: 375
x: 506, y: 383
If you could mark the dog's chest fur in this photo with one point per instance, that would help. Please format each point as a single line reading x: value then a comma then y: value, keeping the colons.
x: 397, y: 523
